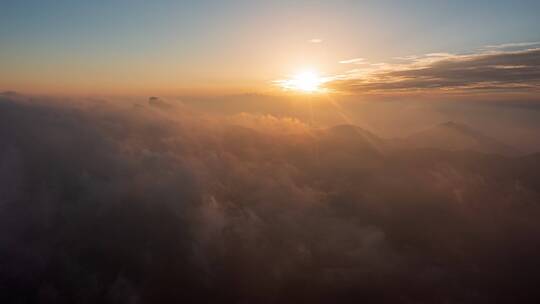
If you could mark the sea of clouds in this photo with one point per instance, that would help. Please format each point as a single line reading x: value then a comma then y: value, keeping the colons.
x: 104, y: 202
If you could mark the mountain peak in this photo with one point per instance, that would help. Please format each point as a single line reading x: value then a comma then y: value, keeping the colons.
x: 456, y: 126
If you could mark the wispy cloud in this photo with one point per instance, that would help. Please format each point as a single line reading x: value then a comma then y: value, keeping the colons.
x: 315, y: 40
x: 353, y: 61
x: 512, y: 45
x: 488, y: 70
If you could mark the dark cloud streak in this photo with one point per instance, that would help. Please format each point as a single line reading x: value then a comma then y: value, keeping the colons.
x: 509, y: 71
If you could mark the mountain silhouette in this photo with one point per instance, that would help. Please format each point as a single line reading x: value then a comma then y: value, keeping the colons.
x: 457, y: 137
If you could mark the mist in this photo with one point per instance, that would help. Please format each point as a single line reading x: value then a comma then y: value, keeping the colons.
x: 159, y: 201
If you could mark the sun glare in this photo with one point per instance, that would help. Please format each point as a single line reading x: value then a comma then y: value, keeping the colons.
x: 307, y: 81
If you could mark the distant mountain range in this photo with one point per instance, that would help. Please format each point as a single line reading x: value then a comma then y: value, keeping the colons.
x: 458, y: 137
x: 450, y: 136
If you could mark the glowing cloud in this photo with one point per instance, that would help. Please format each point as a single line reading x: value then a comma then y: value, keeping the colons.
x: 353, y: 61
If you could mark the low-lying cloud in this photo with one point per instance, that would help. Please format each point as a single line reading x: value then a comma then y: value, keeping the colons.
x: 104, y: 202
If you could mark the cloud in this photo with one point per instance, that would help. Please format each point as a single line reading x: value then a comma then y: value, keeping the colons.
x: 104, y: 202
x: 513, y: 45
x: 315, y: 40
x: 506, y: 71
x: 354, y: 61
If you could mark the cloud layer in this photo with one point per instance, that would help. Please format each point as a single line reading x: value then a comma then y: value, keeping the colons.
x: 511, y: 71
x: 122, y: 203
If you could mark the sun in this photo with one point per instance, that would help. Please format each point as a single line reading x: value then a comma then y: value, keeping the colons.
x: 307, y: 81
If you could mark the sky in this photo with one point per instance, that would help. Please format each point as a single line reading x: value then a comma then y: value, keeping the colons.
x: 178, y: 47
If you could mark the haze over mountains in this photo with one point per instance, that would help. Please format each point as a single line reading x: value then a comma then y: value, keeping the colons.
x: 448, y: 136
x: 455, y: 136
x: 158, y: 203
